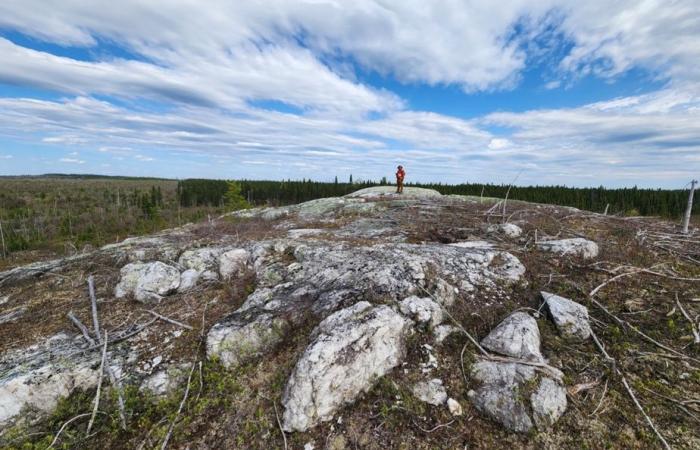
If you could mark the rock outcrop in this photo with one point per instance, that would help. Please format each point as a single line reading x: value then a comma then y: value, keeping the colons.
x: 574, y: 247
x: 350, y: 350
x: 147, y: 281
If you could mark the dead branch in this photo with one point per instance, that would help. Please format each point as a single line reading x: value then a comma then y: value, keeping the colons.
x: 284, y: 436
x: 169, y: 320
x: 63, y: 427
x: 82, y: 328
x: 694, y: 329
x: 602, y: 397
x: 93, y: 302
x: 179, y: 410
x: 99, y: 386
x: 629, y: 389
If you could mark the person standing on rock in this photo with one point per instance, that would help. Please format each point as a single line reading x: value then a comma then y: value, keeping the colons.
x: 400, y: 175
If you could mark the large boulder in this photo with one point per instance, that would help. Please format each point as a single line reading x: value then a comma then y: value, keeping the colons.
x: 517, y: 336
x: 233, y: 263
x: 147, y: 281
x: 350, y: 350
x: 571, y: 318
x: 204, y: 261
x: 574, y: 246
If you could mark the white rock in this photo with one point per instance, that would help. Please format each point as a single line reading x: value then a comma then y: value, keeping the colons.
x: 188, y: 280
x: 432, y: 391
x: 297, y: 233
x: 422, y: 310
x: 481, y: 245
x: 235, y: 342
x: 233, y: 262
x: 203, y: 260
x: 575, y: 246
x: 500, y: 395
x: 382, y: 191
x: 309, y: 446
x: 517, y: 336
x: 164, y: 381
x: 497, y: 395
x: 147, y: 281
x: 511, y: 230
x: 571, y: 318
x: 445, y: 293
x: 351, y: 349
x: 548, y: 403
x: 454, y: 407
x: 41, y: 389
x: 442, y: 332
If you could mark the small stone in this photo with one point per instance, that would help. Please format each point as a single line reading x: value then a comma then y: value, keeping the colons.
x: 309, y: 446
x: 454, y: 407
x: 431, y: 391
x: 442, y: 332
x: 422, y: 310
x: 233, y: 262
x: 570, y: 317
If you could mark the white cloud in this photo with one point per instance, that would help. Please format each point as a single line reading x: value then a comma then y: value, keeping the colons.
x: 72, y: 161
x: 210, y: 71
x: 6, y: 156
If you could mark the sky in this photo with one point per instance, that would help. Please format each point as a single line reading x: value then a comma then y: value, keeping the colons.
x: 576, y: 93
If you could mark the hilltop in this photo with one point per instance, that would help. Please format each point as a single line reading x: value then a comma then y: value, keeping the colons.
x: 372, y: 320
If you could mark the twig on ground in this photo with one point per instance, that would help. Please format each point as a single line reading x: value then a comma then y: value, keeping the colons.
x: 99, y: 386
x: 169, y: 320
x: 82, y: 328
x: 277, y: 416
x: 63, y: 427
x: 693, y: 328
x: 434, y: 428
x: 678, y: 403
x: 629, y: 389
x: 93, y: 302
x: 602, y: 397
x: 179, y: 410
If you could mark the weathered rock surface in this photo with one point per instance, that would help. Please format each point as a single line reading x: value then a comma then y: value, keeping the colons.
x: 245, y: 336
x: 34, y: 379
x: 202, y: 260
x: 382, y: 191
x: 147, y: 281
x: 510, y: 230
x: 350, y: 350
x: 574, y: 246
x: 503, y: 395
x: 431, y: 391
x: 422, y: 310
x: 233, y: 262
x: 165, y: 381
x: 548, y: 402
x: 517, y: 336
x: 571, y: 318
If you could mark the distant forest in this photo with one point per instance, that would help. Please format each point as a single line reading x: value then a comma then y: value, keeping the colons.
x: 626, y: 201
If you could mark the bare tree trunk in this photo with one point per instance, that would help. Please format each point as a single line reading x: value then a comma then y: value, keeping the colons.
x: 689, y: 208
x: 605, y: 213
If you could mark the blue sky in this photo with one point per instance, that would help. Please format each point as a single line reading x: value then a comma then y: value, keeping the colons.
x: 560, y: 92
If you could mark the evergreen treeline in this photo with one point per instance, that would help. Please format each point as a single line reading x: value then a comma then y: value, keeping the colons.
x: 629, y: 201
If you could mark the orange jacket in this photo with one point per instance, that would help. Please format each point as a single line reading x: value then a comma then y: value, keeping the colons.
x: 400, y: 174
